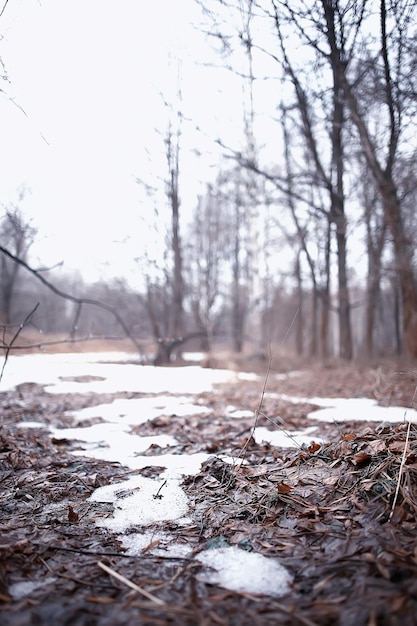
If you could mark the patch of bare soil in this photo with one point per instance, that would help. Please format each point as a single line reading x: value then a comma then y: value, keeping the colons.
x: 326, y: 511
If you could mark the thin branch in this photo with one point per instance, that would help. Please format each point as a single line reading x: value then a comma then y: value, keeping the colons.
x: 400, y: 473
x: 403, y: 461
x: 258, y: 410
x: 129, y: 583
x: 4, y: 8
x: 70, y: 297
x: 15, y: 336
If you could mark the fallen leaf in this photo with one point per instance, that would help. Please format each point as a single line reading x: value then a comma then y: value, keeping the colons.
x: 361, y: 458
x: 284, y: 488
x: 72, y: 515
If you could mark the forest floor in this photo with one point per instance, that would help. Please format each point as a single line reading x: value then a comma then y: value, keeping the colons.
x: 324, y: 510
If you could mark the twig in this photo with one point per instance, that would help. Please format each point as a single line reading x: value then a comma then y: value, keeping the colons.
x: 15, y: 336
x: 3, y: 8
x: 129, y: 583
x: 403, y: 460
x: 157, y: 495
x: 257, y: 411
x: 70, y: 297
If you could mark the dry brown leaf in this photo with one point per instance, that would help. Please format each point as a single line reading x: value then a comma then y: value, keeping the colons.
x: 284, y: 488
x: 361, y: 458
x: 72, y: 515
x: 377, y: 446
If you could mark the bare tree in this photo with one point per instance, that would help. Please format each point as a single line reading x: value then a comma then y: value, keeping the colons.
x: 173, y: 161
x: 390, y: 65
x: 17, y: 235
x: 78, y: 302
x: 328, y: 176
x: 207, y: 257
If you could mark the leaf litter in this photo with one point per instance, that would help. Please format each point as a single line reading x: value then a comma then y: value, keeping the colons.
x: 83, y: 541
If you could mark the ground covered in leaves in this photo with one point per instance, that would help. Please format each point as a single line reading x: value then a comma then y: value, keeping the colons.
x: 326, y: 511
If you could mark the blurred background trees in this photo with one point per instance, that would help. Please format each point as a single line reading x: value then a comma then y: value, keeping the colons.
x: 304, y: 235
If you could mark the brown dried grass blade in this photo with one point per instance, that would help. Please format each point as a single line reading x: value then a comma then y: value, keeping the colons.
x: 129, y: 583
x: 400, y: 473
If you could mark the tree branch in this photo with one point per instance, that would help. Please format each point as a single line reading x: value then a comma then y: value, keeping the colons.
x: 70, y: 297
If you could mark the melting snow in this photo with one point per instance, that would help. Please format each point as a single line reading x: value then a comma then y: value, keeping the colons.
x: 113, y: 440
x: 141, y: 501
x: 244, y: 571
x: 115, y: 372
x: 357, y: 409
x: 21, y: 589
x: 285, y: 438
x: 232, y: 411
x: 136, y: 411
x: 158, y: 543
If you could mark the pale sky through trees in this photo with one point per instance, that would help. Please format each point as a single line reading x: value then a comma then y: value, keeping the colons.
x: 89, y: 77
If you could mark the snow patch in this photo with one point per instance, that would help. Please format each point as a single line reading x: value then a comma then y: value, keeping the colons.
x: 157, y: 543
x: 135, y: 411
x: 30, y: 424
x: 22, y: 589
x: 286, y: 439
x: 116, y: 371
x: 354, y: 409
x: 235, y: 413
x: 248, y: 572
x: 141, y: 501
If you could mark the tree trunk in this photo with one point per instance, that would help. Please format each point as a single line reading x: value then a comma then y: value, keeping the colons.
x: 337, y: 191
x: 403, y: 250
x: 383, y: 175
x: 237, y: 305
x: 299, y: 328
x: 325, y: 303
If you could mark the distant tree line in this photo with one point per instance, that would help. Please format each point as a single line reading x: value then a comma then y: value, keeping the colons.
x: 314, y: 249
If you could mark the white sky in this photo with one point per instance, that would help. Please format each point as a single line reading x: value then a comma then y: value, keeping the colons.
x: 89, y: 75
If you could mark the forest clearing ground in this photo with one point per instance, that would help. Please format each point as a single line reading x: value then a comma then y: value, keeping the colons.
x: 323, y: 510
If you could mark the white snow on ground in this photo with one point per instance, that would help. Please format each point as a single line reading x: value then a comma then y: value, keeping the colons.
x: 114, y: 437
x: 117, y: 375
x: 239, y: 570
x: 157, y: 542
x: 140, y: 502
x: 286, y: 438
x: 232, y: 411
x: 22, y: 589
x: 358, y: 409
x: 136, y: 411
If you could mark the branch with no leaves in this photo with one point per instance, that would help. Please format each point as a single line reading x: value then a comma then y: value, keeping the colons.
x: 15, y: 336
x: 70, y: 297
x: 129, y: 583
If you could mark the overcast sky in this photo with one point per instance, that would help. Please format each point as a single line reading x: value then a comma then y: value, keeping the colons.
x: 89, y: 77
